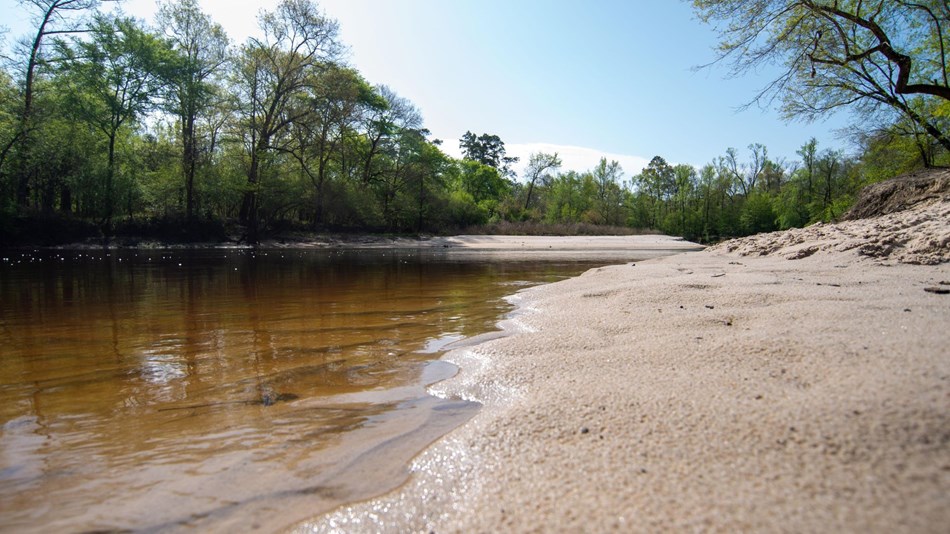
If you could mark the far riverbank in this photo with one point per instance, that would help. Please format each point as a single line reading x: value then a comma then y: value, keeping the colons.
x: 497, y: 246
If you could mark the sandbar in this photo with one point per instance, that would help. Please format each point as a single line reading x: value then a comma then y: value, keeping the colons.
x: 796, y: 381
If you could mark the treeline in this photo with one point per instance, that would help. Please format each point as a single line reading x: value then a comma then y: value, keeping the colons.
x: 121, y: 123
x: 110, y: 126
x: 737, y: 194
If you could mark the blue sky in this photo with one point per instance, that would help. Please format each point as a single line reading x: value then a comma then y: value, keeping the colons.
x: 587, y: 79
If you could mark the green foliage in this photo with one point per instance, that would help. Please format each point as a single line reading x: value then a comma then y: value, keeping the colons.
x: 570, y: 197
x: 111, y: 80
x: 539, y: 173
x: 192, y: 73
x: 731, y: 197
x: 608, y: 202
x: 482, y: 182
x: 894, y: 151
x: 487, y: 149
x: 8, y: 125
x: 757, y: 214
x: 883, y: 60
x: 791, y: 207
x: 463, y: 211
x: 170, y: 132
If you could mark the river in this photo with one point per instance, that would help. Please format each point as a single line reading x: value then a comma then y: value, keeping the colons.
x: 164, y: 390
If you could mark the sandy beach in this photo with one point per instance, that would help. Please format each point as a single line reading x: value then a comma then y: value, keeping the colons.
x: 792, y: 382
x: 506, y: 247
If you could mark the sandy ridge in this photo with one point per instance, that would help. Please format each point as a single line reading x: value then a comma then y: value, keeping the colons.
x: 918, y: 236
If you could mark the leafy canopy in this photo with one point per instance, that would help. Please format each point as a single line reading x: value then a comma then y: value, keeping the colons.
x: 885, y: 60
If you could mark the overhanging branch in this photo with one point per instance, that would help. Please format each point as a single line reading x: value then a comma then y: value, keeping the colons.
x: 904, y: 62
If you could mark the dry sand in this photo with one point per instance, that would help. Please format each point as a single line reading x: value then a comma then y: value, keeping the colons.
x: 793, y: 382
x: 510, y: 247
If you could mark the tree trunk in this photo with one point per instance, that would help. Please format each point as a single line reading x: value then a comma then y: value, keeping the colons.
x: 422, y: 202
x: 249, y: 207
x: 189, y: 158
x: 527, y: 200
x: 48, y: 197
x: 65, y: 199
x: 110, y: 183
x: 23, y: 173
x: 367, y: 164
x: 322, y: 180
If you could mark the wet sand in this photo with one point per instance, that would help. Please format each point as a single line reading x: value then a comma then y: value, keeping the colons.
x: 795, y: 382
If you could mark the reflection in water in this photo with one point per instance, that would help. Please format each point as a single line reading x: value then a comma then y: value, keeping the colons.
x: 208, y: 389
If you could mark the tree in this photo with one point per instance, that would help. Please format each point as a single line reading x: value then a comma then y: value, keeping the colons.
x: 571, y: 196
x: 429, y: 166
x: 488, y: 149
x: 484, y: 183
x: 607, y: 177
x: 318, y: 139
x: 881, y: 59
x: 829, y: 167
x: 809, y: 155
x: 760, y: 158
x: 402, y: 148
x: 62, y: 151
x: 707, y: 185
x: 685, y: 183
x: 273, y: 72
x: 539, y: 166
x: 47, y: 15
x: 201, y: 48
x: 757, y: 214
x: 891, y: 152
x: 377, y: 122
x: 792, y: 202
x: 657, y: 180
x: 113, y: 79
x: 9, y: 128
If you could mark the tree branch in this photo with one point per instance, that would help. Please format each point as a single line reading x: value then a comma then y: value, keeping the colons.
x: 884, y: 47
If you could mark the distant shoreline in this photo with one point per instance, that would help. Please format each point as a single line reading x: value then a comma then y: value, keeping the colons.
x: 496, y: 244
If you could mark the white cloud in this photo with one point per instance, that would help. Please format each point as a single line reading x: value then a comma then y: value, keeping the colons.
x: 576, y: 158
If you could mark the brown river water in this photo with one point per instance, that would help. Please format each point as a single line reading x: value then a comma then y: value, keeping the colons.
x: 228, y: 389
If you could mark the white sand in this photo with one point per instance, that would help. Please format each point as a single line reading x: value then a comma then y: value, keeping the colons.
x: 512, y: 247
x: 584, y: 243
x: 795, y: 382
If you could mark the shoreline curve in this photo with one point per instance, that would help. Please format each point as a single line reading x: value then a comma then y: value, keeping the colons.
x: 798, y: 381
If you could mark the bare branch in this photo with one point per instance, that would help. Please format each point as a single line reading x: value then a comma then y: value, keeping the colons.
x: 865, y: 55
x: 903, y: 61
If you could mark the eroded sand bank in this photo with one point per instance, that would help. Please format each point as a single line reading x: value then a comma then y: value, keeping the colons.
x: 789, y: 382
